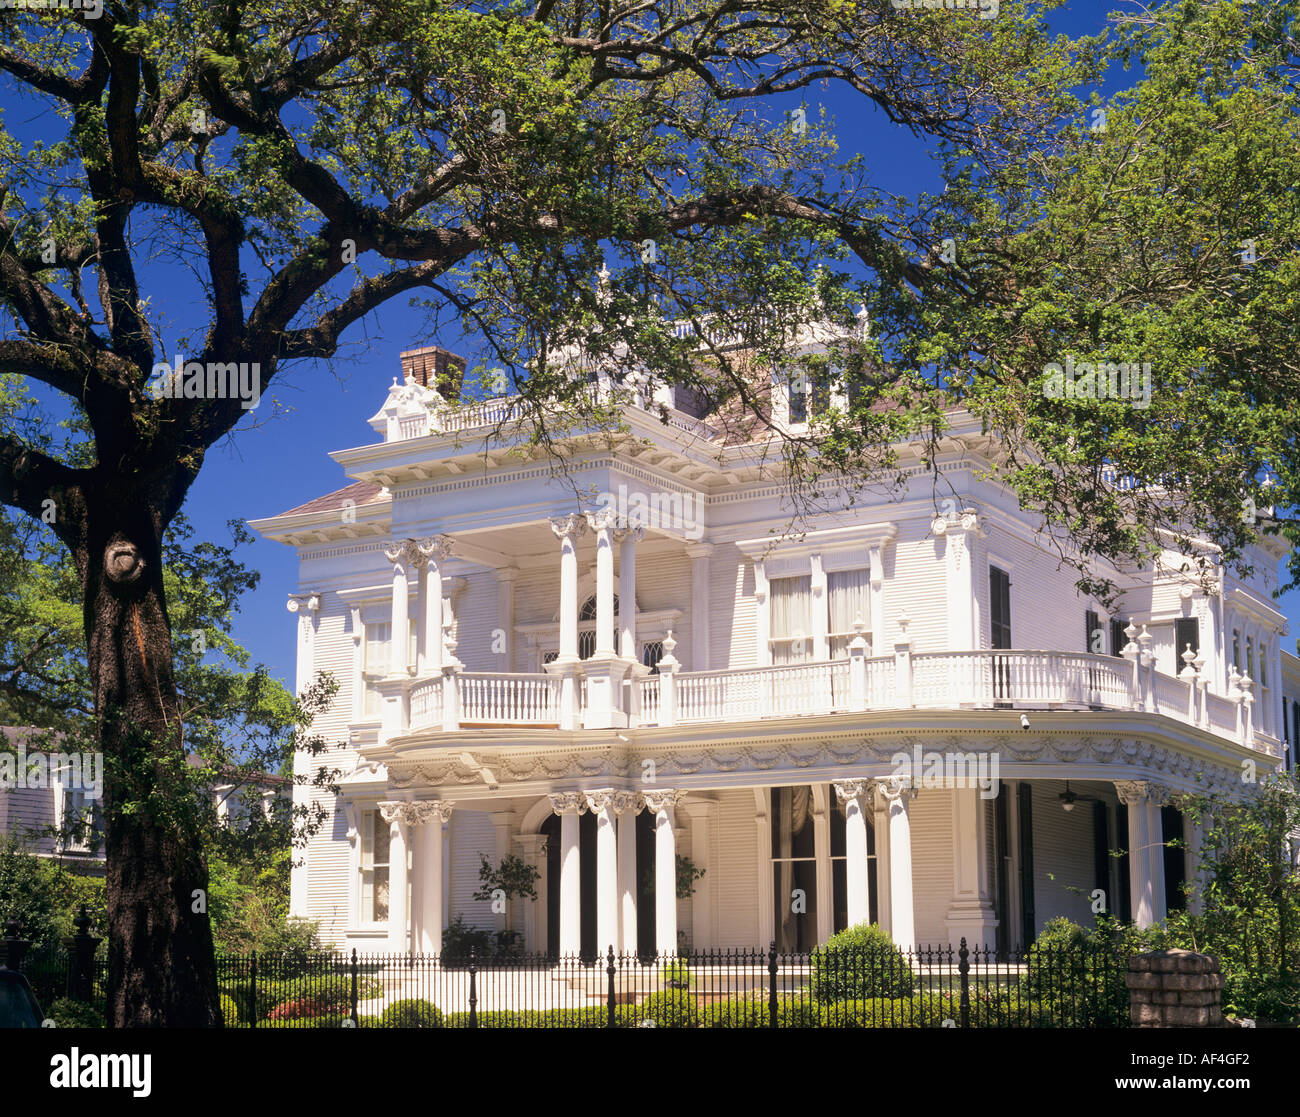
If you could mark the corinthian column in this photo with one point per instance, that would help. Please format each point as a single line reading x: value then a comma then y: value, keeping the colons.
x: 400, y: 816
x: 568, y: 805
x: 432, y: 551
x: 399, y: 556
x: 662, y: 803
x: 627, y: 805
x: 601, y: 804
x: 855, y: 794
x: 1146, y: 849
x: 897, y: 796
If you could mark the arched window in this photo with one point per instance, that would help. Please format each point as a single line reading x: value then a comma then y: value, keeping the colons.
x: 588, y: 610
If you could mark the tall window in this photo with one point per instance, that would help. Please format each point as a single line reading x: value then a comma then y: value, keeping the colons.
x: 374, y: 868
x: 652, y: 651
x: 1093, y: 634
x: 587, y: 626
x: 794, y: 869
x: 848, y: 595
x: 375, y: 663
x: 82, y: 823
x: 791, y: 619
x: 1236, y: 649
x: 999, y: 608
x: 1117, y: 637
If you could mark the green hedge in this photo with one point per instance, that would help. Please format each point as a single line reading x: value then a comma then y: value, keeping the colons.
x: 411, y: 1013
x: 859, y: 963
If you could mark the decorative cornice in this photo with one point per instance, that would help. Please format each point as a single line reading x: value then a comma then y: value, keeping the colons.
x: 613, y: 765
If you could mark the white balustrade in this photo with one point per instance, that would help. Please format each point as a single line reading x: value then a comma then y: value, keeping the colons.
x: 941, y: 680
x: 501, y: 698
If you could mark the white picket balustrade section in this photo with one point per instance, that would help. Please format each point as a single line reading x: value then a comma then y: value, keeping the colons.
x: 500, y: 698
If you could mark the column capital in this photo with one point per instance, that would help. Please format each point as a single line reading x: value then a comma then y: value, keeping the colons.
x: 570, y: 526
x: 894, y: 788
x: 662, y: 800
x: 568, y: 802
x: 436, y: 547
x: 1139, y: 791
x: 602, y: 520
x: 598, y: 800
x: 629, y: 533
x: 625, y: 801
x: 404, y: 551
x: 849, y: 790
x: 401, y: 811
x: 300, y: 601
x: 432, y: 810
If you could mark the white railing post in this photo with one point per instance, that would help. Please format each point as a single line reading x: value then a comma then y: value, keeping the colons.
x: 1148, y: 661
x: 668, y: 683
x: 451, y: 666
x: 903, y: 664
x: 1189, y: 675
x: 1131, y: 651
x: 1202, y: 689
x: 858, y: 667
x: 1235, y: 695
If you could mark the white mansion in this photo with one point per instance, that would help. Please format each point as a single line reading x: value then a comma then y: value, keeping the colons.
x: 637, y: 669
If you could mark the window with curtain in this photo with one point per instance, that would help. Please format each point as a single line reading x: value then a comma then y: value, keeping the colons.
x: 374, y: 663
x: 791, y: 619
x: 848, y: 598
x: 374, y: 868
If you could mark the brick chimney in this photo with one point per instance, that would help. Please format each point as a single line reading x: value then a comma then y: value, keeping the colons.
x: 434, y: 367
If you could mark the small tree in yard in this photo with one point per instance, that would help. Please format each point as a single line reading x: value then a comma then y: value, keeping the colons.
x: 1248, y: 883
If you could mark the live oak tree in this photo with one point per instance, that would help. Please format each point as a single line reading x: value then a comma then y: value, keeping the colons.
x: 310, y: 163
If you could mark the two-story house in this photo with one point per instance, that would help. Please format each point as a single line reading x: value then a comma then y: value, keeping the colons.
x: 897, y: 708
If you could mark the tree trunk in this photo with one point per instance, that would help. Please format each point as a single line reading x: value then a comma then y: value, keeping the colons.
x: 161, y: 967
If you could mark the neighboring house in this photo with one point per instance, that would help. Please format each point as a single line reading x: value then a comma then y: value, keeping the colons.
x: 54, y: 813
x: 60, y: 817
x: 524, y: 674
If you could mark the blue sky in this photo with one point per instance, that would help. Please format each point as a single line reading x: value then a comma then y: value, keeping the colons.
x: 264, y: 469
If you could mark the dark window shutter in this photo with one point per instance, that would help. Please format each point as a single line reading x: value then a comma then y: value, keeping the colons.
x: 1101, y: 851
x: 1090, y: 625
x: 1117, y: 637
x: 999, y: 608
x: 1028, y: 921
x: 1125, y: 906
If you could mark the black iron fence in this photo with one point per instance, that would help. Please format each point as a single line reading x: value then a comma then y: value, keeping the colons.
x: 1048, y: 986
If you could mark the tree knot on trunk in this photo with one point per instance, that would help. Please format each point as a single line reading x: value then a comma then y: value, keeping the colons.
x: 123, y: 562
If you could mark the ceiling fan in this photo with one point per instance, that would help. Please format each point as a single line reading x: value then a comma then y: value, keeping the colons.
x: 1068, y: 798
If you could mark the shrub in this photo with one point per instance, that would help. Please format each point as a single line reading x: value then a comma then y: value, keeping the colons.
x: 796, y: 1012
x: 67, y: 1013
x: 859, y: 963
x: 458, y: 938
x: 298, y: 1009
x: 411, y: 1013
x: 1079, y: 974
x: 230, y: 1012
x: 735, y: 1012
x: 670, y: 1008
x: 676, y: 975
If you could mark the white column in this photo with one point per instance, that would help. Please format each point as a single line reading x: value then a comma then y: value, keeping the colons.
x: 401, y: 644
x: 532, y: 848
x: 602, y: 524
x: 699, y: 554
x: 567, y: 529
x: 628, y: 539
x: 823, y: 888
x: 898, y: 797
x: 817, y: 584
x: 702, y: 812
x: 435, y: 813
x: 970, y: 914
x: 568, y: 805
x: 601, y: 804
x: 504, y: 638
x: 855, y: 795
x: 959, y: 561
x: 662, y: 803
x: 880, y: 825
x: 307, y: 607
x: 1146, y: 861
x: 501, y: 821
x: 433, y: 551
x: 762, y: 617
x: 627, y: 805
x: 398, y: 816
x: 763, y: 858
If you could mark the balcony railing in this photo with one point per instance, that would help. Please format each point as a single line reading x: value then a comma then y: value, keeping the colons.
x: 930, y: 680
